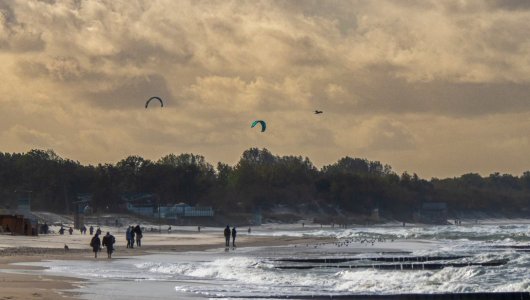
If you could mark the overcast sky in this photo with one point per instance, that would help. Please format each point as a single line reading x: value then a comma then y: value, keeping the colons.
x: 440, y: 88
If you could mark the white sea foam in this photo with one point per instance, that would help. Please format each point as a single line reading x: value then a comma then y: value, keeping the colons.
x: 254, y: 271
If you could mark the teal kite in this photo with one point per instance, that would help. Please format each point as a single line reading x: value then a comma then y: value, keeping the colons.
x: 263, y: 124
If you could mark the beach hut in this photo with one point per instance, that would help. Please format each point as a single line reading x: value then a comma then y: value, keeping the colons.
x: 18, y: 224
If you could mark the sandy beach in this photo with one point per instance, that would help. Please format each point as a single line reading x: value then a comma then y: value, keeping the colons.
x: 18, y: 282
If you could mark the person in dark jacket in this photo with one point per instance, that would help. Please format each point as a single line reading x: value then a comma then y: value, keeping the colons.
x: 227, y: 236
x: 95, y: 243
x: 108, y: 242
x: 131, y: 236
x: 139, y: 235
x: 234, y: 232
x: 91, y: 230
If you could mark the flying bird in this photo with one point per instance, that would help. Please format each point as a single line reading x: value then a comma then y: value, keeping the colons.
x: 318, y: 112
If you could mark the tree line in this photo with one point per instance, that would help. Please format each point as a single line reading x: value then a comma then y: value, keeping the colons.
x: 260, y: 180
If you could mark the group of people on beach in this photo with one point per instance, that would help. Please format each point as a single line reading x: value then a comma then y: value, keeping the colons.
x: 230, y: 233
x: 132, y: 233
x: 70, y: 230
x: 108, y: 242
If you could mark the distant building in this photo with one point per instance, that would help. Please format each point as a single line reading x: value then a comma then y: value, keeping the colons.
x: 19, y: 221
x: 147, y: 205
x: 184, y: 210
x: 141, y: 203
x: 16, y: 224
x: 432, y: 213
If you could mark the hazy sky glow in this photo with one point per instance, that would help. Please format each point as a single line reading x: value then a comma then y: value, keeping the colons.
x: 439, y: 88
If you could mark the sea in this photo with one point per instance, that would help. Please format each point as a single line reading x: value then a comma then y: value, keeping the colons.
x: 364, y: 260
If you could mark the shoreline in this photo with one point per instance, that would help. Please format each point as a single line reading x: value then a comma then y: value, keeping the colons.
x: 30, y: 282
x: 15, y: 279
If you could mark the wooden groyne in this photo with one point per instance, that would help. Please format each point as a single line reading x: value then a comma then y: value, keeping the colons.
x: 441, y: 296
x: 382, y: 259
x: 406, y: 266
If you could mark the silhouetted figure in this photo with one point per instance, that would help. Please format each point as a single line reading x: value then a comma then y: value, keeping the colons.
x: 71, y: 230
x: 108, y: 242
x: 95, y: 243
x: 91, y: 230
x: 227, y: 236
x: 249, y: 230
x: 169, y: 229
x: 98, y: 231
x: 61, y: 231
x: 132, y: 237
x: 139, y: 235
x: 234, y: 232
x: 128, y: 236
x: 199, y: 228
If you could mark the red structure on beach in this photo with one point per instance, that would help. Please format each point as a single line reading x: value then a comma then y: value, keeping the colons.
x: 18, y: 225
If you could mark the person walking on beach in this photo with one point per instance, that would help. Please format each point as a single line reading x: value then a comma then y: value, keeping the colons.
x: 108, y: 242
x: 139, y: 235
x: 61, y: 231
x: 128, y: 236
x: 227, y: 236
x: 233, y: 234
x: 95, y: 243
x: 132, y: 236
x: 70, y: 230
x: 91, y: 230
x: 98, y: 231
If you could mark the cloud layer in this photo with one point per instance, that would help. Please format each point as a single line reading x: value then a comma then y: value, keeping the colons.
x: 439, y: 88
